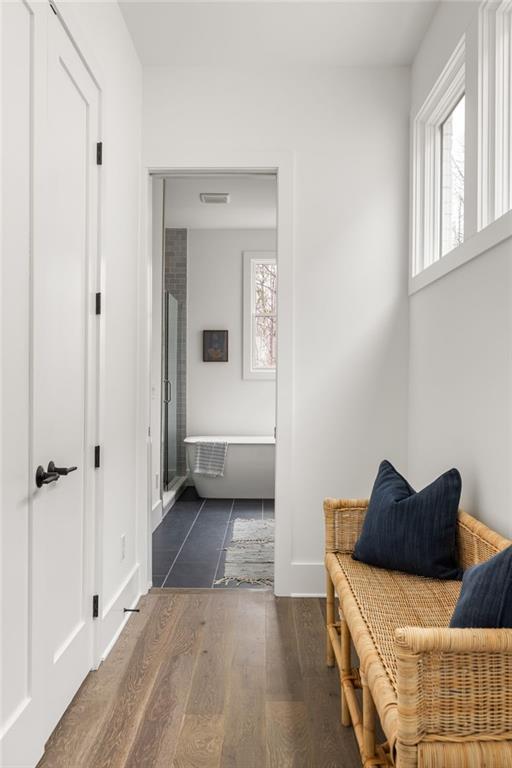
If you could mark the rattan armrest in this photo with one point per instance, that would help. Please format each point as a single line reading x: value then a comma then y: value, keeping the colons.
x: 343, y: 522
x: 454, y: 684
x: 428, y: 639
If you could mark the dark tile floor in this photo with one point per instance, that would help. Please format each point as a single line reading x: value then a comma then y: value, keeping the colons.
x: 188, y: 545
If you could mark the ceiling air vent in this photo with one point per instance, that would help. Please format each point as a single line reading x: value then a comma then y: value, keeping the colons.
x: 214, y: 197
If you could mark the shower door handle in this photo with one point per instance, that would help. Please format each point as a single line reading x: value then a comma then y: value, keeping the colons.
x: 168, y: 391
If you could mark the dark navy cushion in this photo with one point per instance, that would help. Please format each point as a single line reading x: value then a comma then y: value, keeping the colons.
x: 412, y: 532
x: 486, y: 595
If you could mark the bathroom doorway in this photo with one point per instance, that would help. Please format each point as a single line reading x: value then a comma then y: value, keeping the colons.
x: 218, y: 328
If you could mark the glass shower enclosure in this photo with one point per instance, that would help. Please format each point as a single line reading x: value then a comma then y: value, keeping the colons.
x: 169, y: 390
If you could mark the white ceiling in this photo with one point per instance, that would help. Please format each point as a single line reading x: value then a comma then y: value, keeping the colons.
x: 252, y: 202
x: 357, y: 33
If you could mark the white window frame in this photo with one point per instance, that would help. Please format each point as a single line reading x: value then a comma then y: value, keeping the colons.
x: 488, y: 182
x: 426, y: 153
x: 494, y: 111
x: 250, y: 258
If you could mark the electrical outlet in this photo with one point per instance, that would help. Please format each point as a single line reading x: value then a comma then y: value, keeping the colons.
x: 123, y: 546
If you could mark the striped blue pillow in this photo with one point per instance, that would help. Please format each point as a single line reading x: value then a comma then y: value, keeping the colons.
x: 486, y: 595
x: 412, y: 532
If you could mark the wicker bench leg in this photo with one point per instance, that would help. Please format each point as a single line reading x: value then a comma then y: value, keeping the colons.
x: 330, y: 619
x: 368, y: 722
x: 345, y: 671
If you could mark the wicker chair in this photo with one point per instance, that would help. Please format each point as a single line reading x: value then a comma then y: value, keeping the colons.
x: 443, y: 696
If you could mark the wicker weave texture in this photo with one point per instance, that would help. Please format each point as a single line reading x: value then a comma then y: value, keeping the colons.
x: 454, y: 684
x: 473, y: 754
x: 444, y: 696
x: 390, y: 599
x: 477, y: 542
x: 343, y: 522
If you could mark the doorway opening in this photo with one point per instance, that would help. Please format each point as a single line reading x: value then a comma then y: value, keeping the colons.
x: 213, y: 385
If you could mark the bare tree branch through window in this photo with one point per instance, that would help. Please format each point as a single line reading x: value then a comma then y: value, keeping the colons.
x: 264, y: 334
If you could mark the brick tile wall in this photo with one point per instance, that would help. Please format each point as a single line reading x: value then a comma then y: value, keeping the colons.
x: 175, y: 281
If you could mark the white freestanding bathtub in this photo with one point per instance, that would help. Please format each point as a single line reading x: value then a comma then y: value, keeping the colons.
x: 249, y: 471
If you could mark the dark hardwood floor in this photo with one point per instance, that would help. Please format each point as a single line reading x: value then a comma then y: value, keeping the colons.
x: 210, y: 678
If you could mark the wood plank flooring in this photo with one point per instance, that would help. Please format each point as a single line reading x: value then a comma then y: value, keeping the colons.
x: 210, y: 679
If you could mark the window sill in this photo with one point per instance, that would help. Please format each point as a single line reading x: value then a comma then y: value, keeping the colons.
x: 259, y: 375
x: 481, y: 242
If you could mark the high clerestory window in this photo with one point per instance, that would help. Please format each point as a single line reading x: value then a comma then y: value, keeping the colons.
x: 462, y: 152
x: 439, y: 167
x: 494, y: 111
x: 452, y: 149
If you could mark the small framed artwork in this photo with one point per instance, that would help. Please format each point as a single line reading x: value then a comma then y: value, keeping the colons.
x: 215, y: 346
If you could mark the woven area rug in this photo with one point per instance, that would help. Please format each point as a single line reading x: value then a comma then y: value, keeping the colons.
x: 250, y: 554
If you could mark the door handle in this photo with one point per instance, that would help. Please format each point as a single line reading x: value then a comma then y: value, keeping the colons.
x: 44, y: 478
x: 60, y: 470
x: 168, y: 390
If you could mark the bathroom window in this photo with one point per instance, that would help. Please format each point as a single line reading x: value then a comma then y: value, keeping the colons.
x: 260, y: 315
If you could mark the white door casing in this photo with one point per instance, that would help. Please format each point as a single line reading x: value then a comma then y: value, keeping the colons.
x: 49, y: 369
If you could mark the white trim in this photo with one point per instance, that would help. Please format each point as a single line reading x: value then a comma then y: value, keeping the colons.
x: 426, y: 184
x: 117, y: 633
x: 156, y: 514
x: 113, y: 617
x: 119, y: 591
x: 249, y: 257
x: 143, y: 479
x: 308, y: 578
x: 494, y: 110
x: 281, y: 163
x: 486, y: 95
x: 503, y: 107
x: 481, y: 242
x: 308, y: 594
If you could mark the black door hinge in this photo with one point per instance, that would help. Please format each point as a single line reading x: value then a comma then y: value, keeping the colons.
x: 98, y: 303
x: 99, y: 153
x: 96, y: 457
x: 95, y: 606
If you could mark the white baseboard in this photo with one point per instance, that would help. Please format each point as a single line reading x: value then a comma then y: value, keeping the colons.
x: 156, y: 514
x: 113, y: 617
x: 307, y: 594
x: 301, y: 579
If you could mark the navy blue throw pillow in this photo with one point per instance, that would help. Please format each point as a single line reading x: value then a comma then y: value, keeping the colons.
x: 486, y: 595
x: 412, y: 532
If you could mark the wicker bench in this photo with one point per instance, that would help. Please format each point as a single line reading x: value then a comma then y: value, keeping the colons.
x: 443, y: 696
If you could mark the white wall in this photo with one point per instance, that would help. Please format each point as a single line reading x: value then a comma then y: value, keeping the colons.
x: 219, y: 400
x: 346, y: 131
x: 101, y: 33
x: 461, y: 334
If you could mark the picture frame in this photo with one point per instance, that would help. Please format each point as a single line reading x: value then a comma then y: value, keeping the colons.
x: 215, y: 346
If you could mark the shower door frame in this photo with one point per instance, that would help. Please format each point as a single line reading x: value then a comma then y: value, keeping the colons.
x: 164, y: 425
x: 288, y: 573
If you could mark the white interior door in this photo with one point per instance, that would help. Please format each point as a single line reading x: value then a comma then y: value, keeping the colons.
x: 49, y: 374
